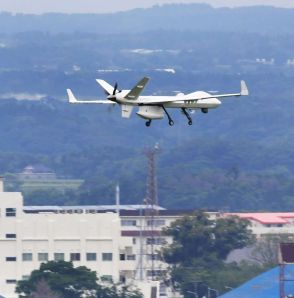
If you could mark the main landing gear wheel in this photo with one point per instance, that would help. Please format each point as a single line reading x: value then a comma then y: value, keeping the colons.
x: 148, y: 123
x: 170, y: 120
x: 190, y: 122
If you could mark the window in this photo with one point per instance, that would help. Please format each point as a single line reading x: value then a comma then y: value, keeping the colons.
x: 27, y: 256
x: 156, y: 241
x: 154, y: 257
x: 10, y: 236
x: 10, y: 212
x: 131, y: 257
x: 91, y: 256
x: 75, y: 256
x: 11, y: 281
x: 156, y: 222
x: 122, y: 257
x: 10, y: 259
x: 43, y: 256
x: 127, y: 222
x: 59, y: 256
x: 162, y: 289
x: 106, y: 256
x: 156, y: 273
x: 134, y: 241
x: 106, y: 278
x: 25, y: 277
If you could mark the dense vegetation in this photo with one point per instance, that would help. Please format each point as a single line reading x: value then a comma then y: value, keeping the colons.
x: 199, y: 250
x: 238, y: 157
x: 60, y: 279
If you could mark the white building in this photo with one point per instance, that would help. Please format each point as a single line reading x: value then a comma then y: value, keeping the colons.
x: 92, y: 236
x: 265, y: 223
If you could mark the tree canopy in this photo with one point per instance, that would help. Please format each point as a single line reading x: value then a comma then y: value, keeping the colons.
x: 200, y: 248
x: 62, y: 280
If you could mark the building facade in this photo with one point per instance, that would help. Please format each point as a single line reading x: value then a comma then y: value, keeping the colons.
x: 120, y: 243
x: 98, y: 237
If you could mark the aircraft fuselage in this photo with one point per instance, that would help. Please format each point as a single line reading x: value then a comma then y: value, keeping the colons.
x: 209, y: 103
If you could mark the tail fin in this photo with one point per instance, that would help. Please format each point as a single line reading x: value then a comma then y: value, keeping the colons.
x: 107, y: 87
x: 71, y: 97
x: 244, y: 89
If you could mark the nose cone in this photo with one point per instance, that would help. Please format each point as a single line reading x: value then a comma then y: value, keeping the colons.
x: 217, y: 102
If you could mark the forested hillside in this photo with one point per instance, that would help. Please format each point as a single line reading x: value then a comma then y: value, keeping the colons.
x: 237, y: 157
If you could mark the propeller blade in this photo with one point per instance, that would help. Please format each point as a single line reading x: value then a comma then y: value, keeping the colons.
x: 115, y: 88
x: 110, y: 108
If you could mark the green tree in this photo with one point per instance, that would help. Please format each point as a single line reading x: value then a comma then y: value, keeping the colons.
x: 196, y: 237
x: 61, y: 280
x: 43, y: 290
x: 199, y: 250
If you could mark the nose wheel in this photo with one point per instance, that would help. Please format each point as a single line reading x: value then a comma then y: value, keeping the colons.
x: 148, y: 123
x: 190, y: 122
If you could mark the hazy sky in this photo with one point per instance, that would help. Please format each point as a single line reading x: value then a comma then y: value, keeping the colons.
x: 100, y: 6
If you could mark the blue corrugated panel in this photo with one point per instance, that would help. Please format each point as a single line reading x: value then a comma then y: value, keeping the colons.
x: 265, y: 285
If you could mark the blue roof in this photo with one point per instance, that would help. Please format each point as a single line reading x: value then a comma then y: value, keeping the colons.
x: 265, y: 285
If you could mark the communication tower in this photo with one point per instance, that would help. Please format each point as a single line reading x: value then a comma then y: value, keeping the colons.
x: 148, y: 232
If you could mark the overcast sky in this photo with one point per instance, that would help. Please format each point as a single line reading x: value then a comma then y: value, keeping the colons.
x: 102, y: 6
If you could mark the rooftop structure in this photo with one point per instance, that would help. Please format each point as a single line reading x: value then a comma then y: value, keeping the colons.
x: 38, y: 172
x: 268, y: 218
x: 264, y: 285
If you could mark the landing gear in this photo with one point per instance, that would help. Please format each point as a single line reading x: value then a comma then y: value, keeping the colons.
x: 170, y: 120
x: 190, y: 122
x: 148, y: 123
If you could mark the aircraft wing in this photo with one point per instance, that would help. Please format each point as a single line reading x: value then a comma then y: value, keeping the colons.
x: 137, y: 90
x: 72, y: 99
x: 199, y: 96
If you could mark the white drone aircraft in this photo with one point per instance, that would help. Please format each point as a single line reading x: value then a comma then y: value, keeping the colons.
x: 154, y: 107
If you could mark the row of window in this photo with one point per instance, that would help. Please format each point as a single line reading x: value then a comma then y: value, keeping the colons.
x: 90, y: 256
x: 149, y: 241
x: 26, y: 277
x: 44, y: 257
x: 150, y: 222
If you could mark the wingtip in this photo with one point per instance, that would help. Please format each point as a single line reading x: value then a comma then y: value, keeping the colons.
x: 71, y: 97
x: 244, y: 89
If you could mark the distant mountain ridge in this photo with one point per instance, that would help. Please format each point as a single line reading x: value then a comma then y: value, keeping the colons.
x: 259, y: 19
